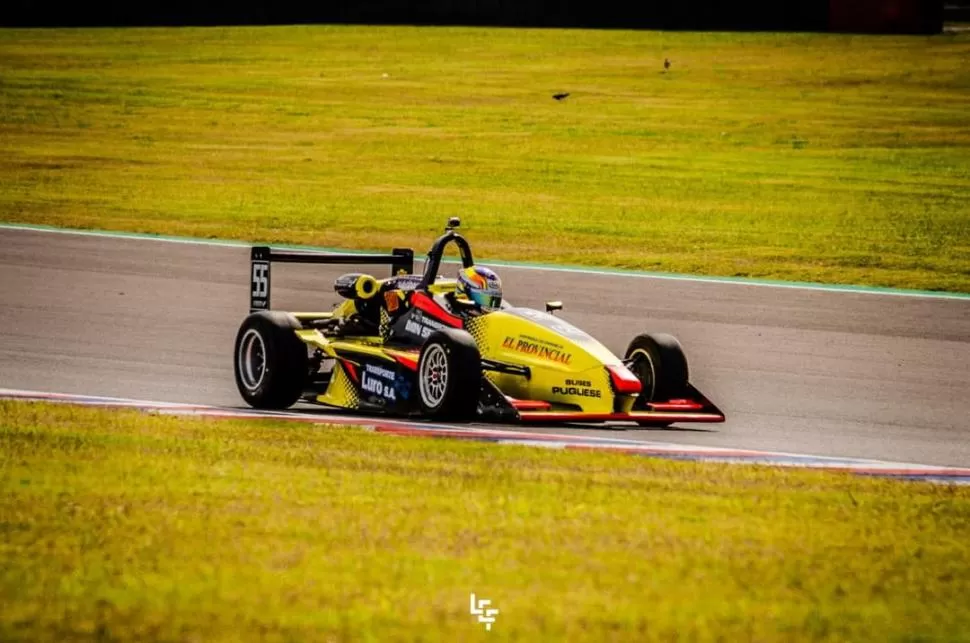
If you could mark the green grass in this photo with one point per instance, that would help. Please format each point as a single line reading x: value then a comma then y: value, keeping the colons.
x: 830, y: 158
x: 121, y: 525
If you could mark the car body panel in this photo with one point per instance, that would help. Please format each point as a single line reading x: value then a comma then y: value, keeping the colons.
x: 566, y: 370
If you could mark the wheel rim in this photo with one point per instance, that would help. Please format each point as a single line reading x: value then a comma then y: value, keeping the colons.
x: 252, y: 360
x: 434, y: 375
x: 642, y: 367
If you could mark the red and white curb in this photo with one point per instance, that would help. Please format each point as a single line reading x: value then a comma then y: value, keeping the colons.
x: 931, y: 473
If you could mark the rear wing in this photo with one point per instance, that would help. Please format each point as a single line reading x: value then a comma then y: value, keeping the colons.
x: 401, y: 261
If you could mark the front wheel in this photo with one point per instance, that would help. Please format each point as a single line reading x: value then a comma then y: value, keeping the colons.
x: 659, y: 363
x: 450, y: 376
x: 270, y: 362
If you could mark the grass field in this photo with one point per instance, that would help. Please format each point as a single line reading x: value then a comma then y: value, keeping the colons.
x: 829, y: 158
x: 120, y: 525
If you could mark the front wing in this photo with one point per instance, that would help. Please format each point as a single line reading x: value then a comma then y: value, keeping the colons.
x: 694, y: 407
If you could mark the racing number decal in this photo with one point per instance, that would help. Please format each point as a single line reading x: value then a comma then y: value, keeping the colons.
x: 260, y: 283
x: 260, y: 292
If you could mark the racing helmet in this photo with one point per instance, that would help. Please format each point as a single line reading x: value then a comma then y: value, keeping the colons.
x: 481, y: 285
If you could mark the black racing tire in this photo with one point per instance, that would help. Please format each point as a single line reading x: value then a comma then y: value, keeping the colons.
x: 659, y: 363
x: 270, y: 361
x: 449, y: 376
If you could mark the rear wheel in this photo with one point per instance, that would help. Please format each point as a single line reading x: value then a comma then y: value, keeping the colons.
x: 450, y: 376
x: 271, y: 363
x: 659, y: 363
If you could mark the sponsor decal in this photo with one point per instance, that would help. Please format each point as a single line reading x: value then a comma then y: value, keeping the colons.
x: 404, y: 282
x: 537, y: 348
x: 392, y: 299
x: 580, y: 388
x: 421, y: 325
x: 379, y: 381
x: 554, y: 324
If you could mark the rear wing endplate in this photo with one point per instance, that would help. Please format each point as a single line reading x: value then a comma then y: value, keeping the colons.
x: 401, y: 261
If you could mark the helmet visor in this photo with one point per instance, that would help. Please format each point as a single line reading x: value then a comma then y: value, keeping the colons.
x: 487, y: 300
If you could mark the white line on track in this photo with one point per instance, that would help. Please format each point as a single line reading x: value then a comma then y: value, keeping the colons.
x: 519, y: 266
x: 954, y: 475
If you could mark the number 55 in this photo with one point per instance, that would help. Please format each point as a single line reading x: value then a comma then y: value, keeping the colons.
x: 260, y: 279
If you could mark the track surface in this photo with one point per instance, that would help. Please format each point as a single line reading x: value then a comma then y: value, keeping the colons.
x: 822, y: 373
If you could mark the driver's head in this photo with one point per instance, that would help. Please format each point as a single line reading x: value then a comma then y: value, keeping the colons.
x: 481, y: 285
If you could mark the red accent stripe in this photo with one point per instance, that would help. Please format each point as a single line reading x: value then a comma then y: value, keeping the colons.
x: 566, y: 416
x: 528, y: 405
x: 623, y: 380
x: 425, y: 303
x: 706, y: 416
x: 351, y: 371
x: 405, y: 359
x: 676, y: 405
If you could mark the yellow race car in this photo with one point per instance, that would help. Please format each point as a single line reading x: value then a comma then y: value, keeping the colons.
x: 415, y: 345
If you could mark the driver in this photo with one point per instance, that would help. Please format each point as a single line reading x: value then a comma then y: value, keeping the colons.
x: 481, y: 286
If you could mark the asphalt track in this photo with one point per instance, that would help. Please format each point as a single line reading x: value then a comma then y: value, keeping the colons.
x: 844, y: 374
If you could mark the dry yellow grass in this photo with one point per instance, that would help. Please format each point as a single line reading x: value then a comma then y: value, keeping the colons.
x: 809, y: 157
x: 120, y: 525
